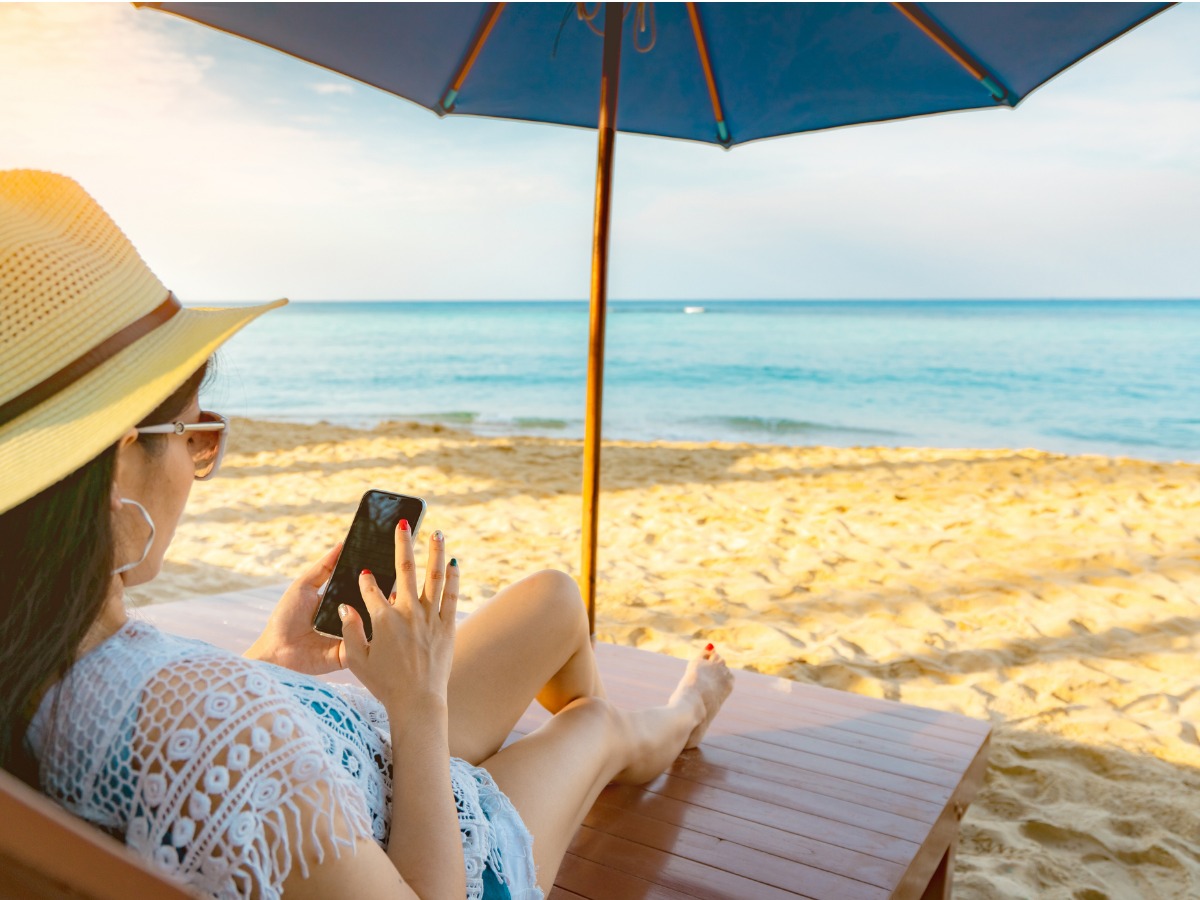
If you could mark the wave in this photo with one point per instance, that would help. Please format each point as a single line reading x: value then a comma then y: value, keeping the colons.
x: 1163, y: 438
x: 781, y: 426
x: 535, y: 422
x: 455, y: 417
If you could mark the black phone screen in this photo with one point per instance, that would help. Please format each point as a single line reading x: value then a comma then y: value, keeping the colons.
x: 370, y: 544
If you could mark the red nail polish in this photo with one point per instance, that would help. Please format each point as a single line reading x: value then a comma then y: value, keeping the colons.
x: 710, y: 647
x: 404, y: 524
x: 365, y: 572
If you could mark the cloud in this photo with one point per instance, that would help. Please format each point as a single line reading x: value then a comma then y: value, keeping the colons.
x: 240, y: 193
x: 327, y: 88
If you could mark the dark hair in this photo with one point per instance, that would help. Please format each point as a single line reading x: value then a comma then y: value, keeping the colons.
x: 58, y: 560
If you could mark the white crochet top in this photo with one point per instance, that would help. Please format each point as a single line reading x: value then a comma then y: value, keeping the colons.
x: 206, y: 764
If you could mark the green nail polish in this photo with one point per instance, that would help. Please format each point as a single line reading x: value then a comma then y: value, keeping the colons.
x: 454, y: 562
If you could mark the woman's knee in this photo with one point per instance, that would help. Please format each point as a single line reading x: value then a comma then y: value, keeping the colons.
x: 608, y: 730
x: 557, y: 583
x: 594, y: 713
x: 559, y: 602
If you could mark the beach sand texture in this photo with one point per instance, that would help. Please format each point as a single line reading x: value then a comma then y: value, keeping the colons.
x: 1057, y: 597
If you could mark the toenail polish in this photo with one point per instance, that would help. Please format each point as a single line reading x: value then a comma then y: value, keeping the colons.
x: 710, y: 648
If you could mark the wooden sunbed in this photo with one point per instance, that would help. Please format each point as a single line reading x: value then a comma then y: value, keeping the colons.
x: 798, y: 791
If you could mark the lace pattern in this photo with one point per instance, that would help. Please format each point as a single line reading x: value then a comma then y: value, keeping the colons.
x: 492, y: 831
x: 206, y: 764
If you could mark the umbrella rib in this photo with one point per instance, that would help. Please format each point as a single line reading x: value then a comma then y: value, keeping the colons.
x: 722, y: 130
x: 935, y: 32
x: 446, y: 104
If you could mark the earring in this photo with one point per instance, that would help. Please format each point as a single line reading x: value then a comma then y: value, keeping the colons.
x: 149, y: 540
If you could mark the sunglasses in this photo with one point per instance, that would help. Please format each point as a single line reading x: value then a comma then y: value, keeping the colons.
x: 206, y: 440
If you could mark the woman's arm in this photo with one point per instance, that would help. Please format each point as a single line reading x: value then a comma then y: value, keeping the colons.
x: 365, y: 874
x: 407, y: 667
x: 425, y: 842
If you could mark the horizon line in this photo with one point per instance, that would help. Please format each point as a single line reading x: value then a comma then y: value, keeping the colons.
x: 692, y: 301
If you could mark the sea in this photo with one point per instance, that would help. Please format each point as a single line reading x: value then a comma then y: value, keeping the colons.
x: 1111, y: 377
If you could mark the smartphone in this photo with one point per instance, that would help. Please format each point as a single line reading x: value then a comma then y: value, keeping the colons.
x: 370, y: 544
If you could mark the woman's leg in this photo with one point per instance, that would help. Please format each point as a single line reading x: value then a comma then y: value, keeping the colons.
x: 530, y: 640
x: 554, y: 775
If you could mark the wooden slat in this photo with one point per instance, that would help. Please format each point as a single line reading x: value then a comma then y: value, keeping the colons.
x: 691, y: 878
x: 748, y: 755
x: 772, y: 834
x: 47, y: 853
x: 858, y: 840
x: 797, y: 791
x: 750, y: 863
x: 597, y: 881
x: 821, y: 795
x: 794, y: 815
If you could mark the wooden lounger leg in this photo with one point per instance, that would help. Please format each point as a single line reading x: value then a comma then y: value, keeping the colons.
x: 940, y: 884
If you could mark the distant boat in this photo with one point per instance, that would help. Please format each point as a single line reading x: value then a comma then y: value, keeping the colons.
x: 693, y: 309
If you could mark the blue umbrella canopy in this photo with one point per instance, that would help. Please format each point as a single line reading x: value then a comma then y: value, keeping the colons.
x: 721, y: 73
x: 777, y: 68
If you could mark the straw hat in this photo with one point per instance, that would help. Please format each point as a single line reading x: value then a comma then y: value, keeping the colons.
x: 90, y: 340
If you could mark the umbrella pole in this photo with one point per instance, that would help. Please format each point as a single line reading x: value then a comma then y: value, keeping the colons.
x: 606, y: 130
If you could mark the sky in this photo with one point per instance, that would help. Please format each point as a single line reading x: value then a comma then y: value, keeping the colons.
x: 243, y: 175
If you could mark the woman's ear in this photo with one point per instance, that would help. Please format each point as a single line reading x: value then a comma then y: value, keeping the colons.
x: 124, y: 447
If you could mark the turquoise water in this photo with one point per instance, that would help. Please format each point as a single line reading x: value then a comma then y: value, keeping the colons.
x: 1106, y: 377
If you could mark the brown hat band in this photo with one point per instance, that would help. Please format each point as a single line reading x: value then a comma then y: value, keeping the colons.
x: 102, y: 352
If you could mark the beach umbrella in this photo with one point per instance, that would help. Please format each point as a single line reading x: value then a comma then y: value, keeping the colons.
x: 719, y: 73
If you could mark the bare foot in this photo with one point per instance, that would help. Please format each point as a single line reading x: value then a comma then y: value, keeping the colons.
x: 708, y: 679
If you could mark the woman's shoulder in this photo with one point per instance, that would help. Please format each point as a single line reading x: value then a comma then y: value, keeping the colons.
x: 144, y: 680
x: 112, y: 675
x: 202, y: 694
x: 140, y: 654
x: 210, y: 766
x: 137, y: 650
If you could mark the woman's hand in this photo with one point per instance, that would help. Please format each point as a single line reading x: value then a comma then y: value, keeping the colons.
x: 288, y: 639
x: 407, y: 663
x: 407, y: 667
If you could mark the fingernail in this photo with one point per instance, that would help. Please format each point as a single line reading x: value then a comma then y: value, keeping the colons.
x: 342, y: 611
x: 454, y: 562
x: 437, y: 536
x: 365, y: 572
x: 710, y: 647
x: 404, y: 524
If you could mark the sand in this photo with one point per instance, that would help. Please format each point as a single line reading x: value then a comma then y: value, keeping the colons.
x: 1057, y: 597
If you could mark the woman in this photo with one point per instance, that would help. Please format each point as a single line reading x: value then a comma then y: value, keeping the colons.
x: 248, y: 776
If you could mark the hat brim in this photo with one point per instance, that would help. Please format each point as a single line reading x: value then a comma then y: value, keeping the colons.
x: 54, y: 439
